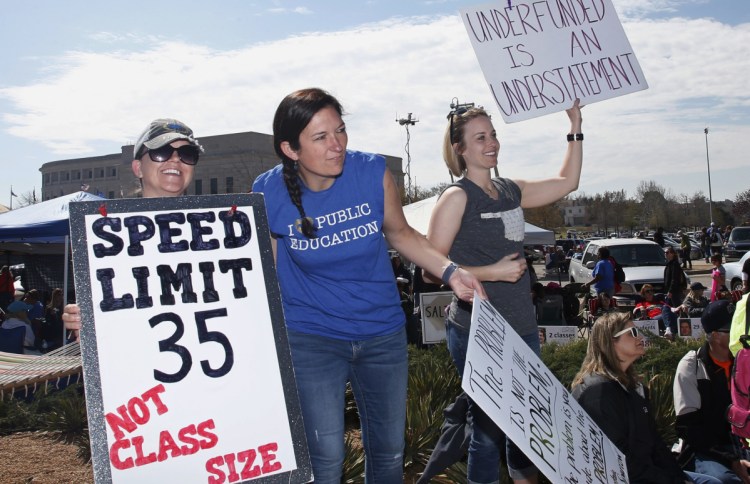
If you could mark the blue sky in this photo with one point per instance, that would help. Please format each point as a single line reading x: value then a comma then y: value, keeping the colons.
x: 82, y: 79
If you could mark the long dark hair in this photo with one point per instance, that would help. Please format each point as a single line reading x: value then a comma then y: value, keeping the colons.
x: 292, y: 116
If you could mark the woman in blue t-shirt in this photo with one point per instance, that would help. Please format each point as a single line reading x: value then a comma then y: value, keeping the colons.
x: 328, y: 210
x: 478, y: 222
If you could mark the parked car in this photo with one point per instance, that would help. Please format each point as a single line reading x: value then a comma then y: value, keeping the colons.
x: 734, y: 272
x: 642, y: 260
x: 568, y: 244
x: 695, y: 251
x: 738, y: 243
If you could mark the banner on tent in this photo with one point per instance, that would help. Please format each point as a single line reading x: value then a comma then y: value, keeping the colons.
x: 186, y: 362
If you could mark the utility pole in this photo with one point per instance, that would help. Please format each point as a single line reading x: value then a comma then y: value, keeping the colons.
x: 408, y: 121
x: 708, y: 165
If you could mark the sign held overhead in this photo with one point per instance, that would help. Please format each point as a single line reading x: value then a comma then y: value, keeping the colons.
x: 540, y: 56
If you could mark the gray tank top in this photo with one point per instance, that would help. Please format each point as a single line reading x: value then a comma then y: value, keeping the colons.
x: 490, y: 230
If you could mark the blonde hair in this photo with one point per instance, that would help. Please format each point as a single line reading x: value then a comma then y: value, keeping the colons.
x: 646, y: 287
x: 455, y: 162
x: 601, y: 357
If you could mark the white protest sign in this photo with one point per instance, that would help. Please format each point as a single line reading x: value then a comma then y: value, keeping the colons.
x: 519, y: 393
x: 538, y: 56
x: 557, y: 334
x: 649, y: 325
x: 691, y: 328
x: 432, y: 306
x: 186, y: 364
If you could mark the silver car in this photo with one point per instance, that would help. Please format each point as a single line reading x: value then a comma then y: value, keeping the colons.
x: 734, y: 272
x: 642, y: 260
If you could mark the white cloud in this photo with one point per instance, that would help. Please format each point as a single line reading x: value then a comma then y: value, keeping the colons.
x: 296, y: 10
x: 696, y: 71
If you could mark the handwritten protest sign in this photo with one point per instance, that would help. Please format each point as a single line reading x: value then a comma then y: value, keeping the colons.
x: 531, y: 406
x: 557, y: 334
x: 432, y: 306
x: 538, y: 56
x: 691, y: 328
x: 186, y: 363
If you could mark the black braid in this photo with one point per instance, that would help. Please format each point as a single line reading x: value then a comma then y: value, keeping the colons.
x: 291, y: 180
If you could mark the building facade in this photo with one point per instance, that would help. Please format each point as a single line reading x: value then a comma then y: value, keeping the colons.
x: 229, y: 165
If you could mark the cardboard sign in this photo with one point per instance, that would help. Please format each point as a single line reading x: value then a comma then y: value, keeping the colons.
x: 186, y: 362
x: 538, y: 56
x: 691, y: 328
x: 650, y: 327
x: 531, y: 406
x: 557, y: 334
x: 432, y: 306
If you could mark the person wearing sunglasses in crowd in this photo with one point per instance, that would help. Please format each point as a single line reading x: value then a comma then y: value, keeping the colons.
x: 650, y: 308
x: 609, y: 390
x: 701, y: 399
x: 478, y: 222
x: 332, y: 213
x: 164, y: 159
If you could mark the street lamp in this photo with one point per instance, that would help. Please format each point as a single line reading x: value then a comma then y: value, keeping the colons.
x: 708, y: 165
x: 408, y: 121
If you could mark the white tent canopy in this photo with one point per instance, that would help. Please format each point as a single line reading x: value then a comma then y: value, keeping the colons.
x: 418, y: 215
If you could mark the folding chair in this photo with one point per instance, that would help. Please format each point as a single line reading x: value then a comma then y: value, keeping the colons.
x: 590, y: 315
x: 11, y: 340
x: 549, y: 311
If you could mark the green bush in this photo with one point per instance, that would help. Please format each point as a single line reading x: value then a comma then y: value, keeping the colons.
x: 433, y: 384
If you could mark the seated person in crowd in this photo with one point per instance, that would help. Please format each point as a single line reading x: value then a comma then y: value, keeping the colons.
x: 37, y: 308
x: 604, y: 304
x: 701, y: 397
x: 649, y: 308
x: 610, y: 391
x: 695, y: 302
x: 17, y: 315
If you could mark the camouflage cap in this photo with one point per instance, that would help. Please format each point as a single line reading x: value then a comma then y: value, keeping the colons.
x: 161, y: 132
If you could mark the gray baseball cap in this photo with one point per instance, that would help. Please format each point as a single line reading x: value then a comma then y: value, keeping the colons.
x: 161, y: 132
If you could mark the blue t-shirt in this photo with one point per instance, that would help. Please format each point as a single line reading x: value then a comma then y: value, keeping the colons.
x: 607, y: 272
x: 339, y: 284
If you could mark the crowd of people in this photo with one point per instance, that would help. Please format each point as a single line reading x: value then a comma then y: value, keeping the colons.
x: 42, y: 323
x: 474, y: 244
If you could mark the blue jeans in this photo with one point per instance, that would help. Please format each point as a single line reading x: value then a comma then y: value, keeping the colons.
x: 709, y: 467
x: 667, y: 319
x: 377, y: 369
x: 702, y: 478
x: 487, y: 440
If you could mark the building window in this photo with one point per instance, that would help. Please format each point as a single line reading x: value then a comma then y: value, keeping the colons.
x: 88, y: 174
x: 45, y: 179
x: 54, y: 177
x: 230, y: 184
x: 76, y: 175
x: 99, y: 173
x: 65, y: 176
x: 112, y: 171
x: 111, y: 195
x: 199, y: 187
x: 214, y: 186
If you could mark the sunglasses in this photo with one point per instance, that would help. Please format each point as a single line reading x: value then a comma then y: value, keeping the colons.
x: 188, y: 154
x: 634, y: 332
x: 649, y: 291
x: 457, y: 110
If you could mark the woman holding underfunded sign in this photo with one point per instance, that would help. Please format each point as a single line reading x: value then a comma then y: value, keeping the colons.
x: 607, y: 387
x: 328, y: 209
x: 478, y: 222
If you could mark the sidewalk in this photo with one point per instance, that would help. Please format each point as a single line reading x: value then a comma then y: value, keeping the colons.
x: 699, y: 267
